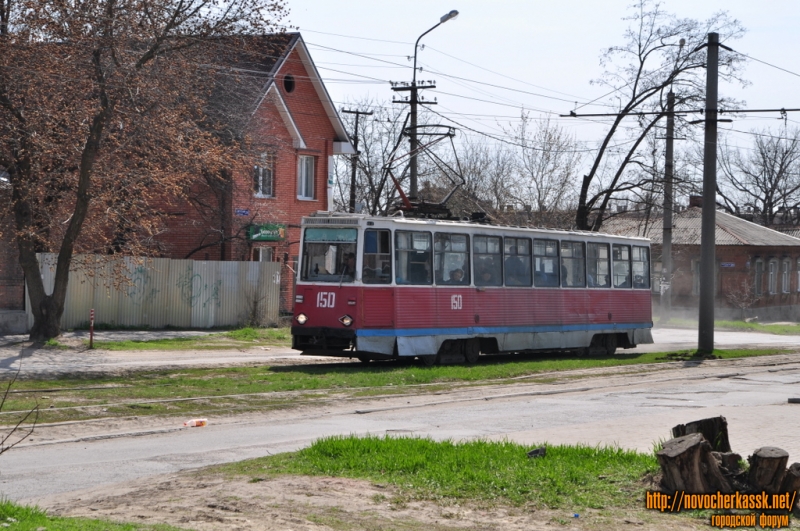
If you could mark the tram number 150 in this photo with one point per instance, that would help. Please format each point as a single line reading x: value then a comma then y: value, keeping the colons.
x: 326, y: 299
x: 455, y: 302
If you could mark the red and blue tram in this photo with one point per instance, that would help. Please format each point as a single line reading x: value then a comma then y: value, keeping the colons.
x: 381, y: 288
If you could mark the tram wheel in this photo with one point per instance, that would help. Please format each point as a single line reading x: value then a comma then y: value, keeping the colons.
x: 472, y: 349
x: 364, y: 359
x: 611, y: 344
x: 430, y: 360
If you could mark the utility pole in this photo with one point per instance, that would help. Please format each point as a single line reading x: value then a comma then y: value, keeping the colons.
x: 414, y: 101
x: 705, y: 342
x: 666, y: 240
x: 354, y: 158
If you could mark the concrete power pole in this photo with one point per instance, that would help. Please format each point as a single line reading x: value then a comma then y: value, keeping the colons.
x: 666, y: 244
x: 705, y: 342
x: 354, y: 159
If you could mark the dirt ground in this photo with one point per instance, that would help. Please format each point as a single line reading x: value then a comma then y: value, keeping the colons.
x: 204, y: 502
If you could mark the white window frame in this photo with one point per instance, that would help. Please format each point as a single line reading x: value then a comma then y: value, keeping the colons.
x: 772, y: 269
x: 758, y: 277
x: 798, y: 275
x: 265, y: 171
x: 786, y: 268
x: 306, y: 166
x: 263, y: 254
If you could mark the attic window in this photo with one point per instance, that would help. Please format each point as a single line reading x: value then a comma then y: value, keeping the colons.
x: 288, y: 83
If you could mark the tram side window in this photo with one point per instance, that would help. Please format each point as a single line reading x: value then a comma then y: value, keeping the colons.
x: 413, y: 257
x: 518, y: 261
x: 377, y: 265
x: 622, y: 265
x: 451, y: 258
x: 573, y: 264
x: 641, y: 267
x: 488, y: 261
x: 329, y: 255
x: 545, y: 263
x: 598, y: 265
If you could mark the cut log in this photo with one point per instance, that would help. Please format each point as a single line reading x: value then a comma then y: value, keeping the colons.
x: 688, y: 465
x: 714, y: 429
x: 767, y: 469
x: 791, y: 483
x: 728, y: 461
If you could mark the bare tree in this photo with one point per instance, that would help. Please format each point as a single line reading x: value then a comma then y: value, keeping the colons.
x: 102, y: 121
x: 640, y: 73
x: 764, y: 179
x: 548, y: 161
x: 743, y: 296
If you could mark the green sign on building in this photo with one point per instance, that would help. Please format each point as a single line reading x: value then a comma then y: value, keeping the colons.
x: 271, y: 232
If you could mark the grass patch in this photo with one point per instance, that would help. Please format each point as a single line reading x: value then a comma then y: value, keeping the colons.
x: 234, y: 339
x: 25, y: 518
x: 567, y: 477
x: 229, y: 390
x: 778, y: 329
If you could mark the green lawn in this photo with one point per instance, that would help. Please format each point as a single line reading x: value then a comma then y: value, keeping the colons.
x: 237, y: 389
x: 22, y: 518
x: 573, y: 477
x: 234, y: 339
x: 778, y: 329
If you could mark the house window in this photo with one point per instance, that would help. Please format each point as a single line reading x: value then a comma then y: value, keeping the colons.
x: 696, y: 277
x: 773, y: 277
x: 264, y: 176
x: 785, y: 267
x: 305, y: 178
x: 263, y: 254
x: 759, y: 279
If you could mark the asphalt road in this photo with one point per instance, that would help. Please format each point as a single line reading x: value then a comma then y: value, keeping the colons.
x: 633, y: 410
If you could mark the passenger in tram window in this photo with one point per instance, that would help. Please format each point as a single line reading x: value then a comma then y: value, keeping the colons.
x: 485, y: 277
x: 349, y: 265
x: 516, y: 272
x: 456, y: 277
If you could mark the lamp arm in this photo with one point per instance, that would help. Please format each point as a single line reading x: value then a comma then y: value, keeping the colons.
x: 416, y: 45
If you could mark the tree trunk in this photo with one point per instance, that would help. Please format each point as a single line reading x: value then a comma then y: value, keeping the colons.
x: 791, y: 483
x: 715, y: 431
x: 48, y: 323
x: 688, y: 465
x: 767, y: 469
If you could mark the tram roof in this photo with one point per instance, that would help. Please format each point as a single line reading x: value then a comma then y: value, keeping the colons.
x: 345, y: 218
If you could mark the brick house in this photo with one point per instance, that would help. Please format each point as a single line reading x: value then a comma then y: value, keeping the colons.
x: 757, y: 273
x: 273, y: 96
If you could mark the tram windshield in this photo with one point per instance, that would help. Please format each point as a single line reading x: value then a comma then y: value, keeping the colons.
x: 329, y: 255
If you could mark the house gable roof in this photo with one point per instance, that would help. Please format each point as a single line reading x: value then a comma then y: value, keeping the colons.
x: 687, y: 225
x: 254, y: 64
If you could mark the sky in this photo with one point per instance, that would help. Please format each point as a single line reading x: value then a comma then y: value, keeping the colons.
x: 547, y: 52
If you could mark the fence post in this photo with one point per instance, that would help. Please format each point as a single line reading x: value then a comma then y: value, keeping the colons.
x: 91, y: 328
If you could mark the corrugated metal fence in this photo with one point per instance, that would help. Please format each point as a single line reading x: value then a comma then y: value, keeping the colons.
x: 161, y: 292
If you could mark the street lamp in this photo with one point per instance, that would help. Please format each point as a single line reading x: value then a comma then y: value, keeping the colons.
x: 413, y: 127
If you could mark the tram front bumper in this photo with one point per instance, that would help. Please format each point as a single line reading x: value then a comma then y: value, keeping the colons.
x: 321, y: 338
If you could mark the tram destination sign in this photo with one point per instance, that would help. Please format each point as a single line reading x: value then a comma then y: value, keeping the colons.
x: 271, y: 232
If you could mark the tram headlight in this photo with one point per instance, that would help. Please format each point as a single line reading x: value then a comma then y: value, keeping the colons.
x: 346, y: 320
x: 301, y: 318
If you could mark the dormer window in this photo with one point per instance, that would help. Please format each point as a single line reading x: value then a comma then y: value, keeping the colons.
x: 288, y: 83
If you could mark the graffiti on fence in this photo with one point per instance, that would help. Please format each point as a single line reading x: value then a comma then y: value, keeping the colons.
x: 194, y: 290
x: 138, y: 289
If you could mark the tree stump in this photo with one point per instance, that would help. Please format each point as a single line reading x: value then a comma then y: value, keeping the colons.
x: 791, y: 483
x: 767, y: 469
x: 714, y: 429
x: 688, y: 465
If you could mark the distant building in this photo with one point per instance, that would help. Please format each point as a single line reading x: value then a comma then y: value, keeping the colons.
x: 757, y: 269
